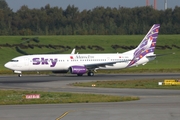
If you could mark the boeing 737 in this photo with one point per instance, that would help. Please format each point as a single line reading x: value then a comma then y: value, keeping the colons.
x: 88, y: 63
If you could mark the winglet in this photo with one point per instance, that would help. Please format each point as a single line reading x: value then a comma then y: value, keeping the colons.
x: 73, y: 51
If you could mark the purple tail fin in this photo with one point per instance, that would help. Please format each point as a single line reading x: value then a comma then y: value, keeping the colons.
x: 147, y: 45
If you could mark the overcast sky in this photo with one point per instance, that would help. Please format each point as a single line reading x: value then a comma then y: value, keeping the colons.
x: 88, y: 4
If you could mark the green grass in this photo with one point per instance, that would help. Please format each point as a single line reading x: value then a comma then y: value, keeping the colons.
x: 141, y: 84
x: 163, y: 63
x: 12, y: 97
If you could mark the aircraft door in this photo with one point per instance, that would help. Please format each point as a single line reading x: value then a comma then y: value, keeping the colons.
x: 26, y: 62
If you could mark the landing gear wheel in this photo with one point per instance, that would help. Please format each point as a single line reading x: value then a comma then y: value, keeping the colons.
x: 90, y: 74
x: 19, y: 75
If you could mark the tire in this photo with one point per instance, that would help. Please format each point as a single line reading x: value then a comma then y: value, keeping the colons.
x: 19, y: 75
x: 90, y: 74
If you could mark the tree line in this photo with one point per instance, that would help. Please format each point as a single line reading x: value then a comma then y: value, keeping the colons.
x: 49, y: 20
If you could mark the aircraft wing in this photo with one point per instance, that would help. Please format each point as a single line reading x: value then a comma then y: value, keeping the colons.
x: 96, y: 65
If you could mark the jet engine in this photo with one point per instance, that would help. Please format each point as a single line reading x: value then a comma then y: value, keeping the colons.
x: 79, y: 70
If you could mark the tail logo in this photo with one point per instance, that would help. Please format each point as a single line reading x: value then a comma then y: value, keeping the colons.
x: 147, y: 45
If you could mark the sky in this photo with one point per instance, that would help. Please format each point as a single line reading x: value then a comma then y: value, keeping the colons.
x: 88, y: 4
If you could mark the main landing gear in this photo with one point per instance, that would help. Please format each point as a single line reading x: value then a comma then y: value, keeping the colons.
x: 90, y: 73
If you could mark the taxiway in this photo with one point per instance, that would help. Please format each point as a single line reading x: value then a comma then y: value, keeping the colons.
x: 154, y: 103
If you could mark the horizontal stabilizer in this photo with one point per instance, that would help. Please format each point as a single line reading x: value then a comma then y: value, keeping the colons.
x: 151, y: 56
x: 165, y: 54
x: 154, y: 55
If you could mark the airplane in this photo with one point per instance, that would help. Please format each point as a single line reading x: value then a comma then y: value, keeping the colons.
x: 80, y: 64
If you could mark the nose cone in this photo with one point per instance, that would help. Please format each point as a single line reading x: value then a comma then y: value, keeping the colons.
x: 7, y: 65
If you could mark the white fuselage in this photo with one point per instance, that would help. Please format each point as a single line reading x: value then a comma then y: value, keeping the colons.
x: 56, y: 62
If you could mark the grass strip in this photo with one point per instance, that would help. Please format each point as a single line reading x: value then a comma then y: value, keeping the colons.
x: 12, y: 97
x: 141, y: 84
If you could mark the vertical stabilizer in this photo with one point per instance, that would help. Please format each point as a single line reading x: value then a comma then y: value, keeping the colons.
x: 147, y: 45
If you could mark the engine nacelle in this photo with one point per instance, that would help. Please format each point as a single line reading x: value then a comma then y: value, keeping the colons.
x: 60, y: 71
x: 77, y: 70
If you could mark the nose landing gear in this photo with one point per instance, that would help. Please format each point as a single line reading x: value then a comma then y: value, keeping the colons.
x: 19, y: 75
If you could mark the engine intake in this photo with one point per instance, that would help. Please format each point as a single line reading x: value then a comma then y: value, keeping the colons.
x: 77, y: 69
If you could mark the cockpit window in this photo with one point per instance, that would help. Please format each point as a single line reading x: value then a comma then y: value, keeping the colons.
x: 14, y: 60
